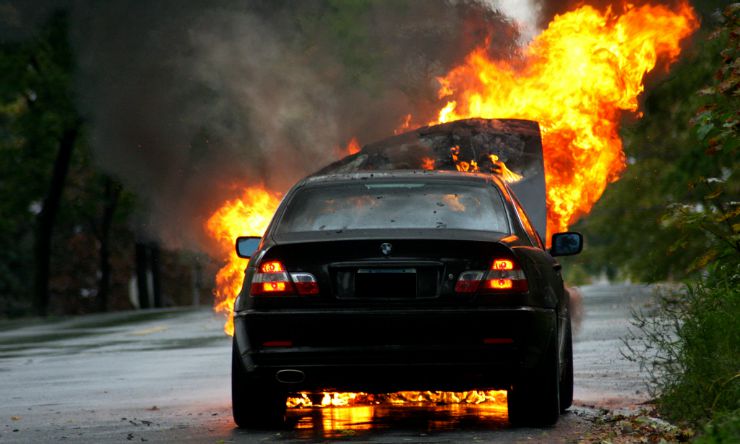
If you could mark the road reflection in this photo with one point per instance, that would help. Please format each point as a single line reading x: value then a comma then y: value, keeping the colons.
x: 336, y: 422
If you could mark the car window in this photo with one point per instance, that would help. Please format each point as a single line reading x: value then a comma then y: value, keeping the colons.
x: 531, y: 232
x: 403, y: 205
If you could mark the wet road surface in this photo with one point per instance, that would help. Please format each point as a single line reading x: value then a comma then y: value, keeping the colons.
x: 163, y: 376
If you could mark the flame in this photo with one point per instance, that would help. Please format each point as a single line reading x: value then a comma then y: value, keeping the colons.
x: 575, y: 79
x: 344, y: 399
x: 405, y: 125
x: 247, y: 215
x: 497, y: 166
x: 427, y: 163
x: 501, y: 169
x: 353, y: 147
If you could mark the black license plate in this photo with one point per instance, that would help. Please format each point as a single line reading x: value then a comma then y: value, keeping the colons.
x: 382, y: 283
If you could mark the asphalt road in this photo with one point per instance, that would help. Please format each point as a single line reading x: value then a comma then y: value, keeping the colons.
x: 163, y: 376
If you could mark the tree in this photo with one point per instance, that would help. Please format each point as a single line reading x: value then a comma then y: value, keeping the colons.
x: 38, y: 80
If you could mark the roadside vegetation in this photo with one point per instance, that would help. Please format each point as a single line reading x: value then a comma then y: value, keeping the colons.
x: 675, y: 217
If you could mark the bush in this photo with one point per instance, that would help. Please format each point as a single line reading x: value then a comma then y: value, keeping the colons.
x: 690, y: 347
x: 724, y: 428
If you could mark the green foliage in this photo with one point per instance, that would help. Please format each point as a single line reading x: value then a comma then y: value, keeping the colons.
x: 576, y: 274
x: 723, y: 429
x: 691, y: 347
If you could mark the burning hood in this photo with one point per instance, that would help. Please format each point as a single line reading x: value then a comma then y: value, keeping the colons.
x: 510, y: 148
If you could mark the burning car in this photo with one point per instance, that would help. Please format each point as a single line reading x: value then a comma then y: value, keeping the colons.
x: 378, y: 274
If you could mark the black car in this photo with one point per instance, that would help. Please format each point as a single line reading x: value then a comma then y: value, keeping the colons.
x: 402, y: 280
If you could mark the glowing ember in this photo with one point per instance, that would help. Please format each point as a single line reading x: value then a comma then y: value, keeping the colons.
x: 247, y: 215
x: 574, y: 79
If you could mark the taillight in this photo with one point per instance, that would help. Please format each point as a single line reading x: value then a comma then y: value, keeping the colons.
x: 469, y: 281
x: 272, y: 267
x: 305, y: 283
x: 505, y: 275
x: 273, y: 279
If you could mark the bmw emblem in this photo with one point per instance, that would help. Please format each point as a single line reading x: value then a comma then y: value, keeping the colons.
x: 386, y: 248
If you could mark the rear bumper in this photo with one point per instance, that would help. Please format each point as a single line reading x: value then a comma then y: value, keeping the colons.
x: 389, y: 350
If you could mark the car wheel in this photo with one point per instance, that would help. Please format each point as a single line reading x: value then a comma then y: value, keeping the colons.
x: 566, y: 380
x: 534, y: 400
x: 254, y: 405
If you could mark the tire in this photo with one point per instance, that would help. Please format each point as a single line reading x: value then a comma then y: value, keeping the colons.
x: 534, y: 400
x: 566, y: 379
x: 254, y: 405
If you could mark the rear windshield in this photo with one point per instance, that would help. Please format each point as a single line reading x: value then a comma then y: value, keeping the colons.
x: 410, y: 205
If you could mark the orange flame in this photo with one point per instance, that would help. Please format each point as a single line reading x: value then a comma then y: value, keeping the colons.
x: 575, y: 79
x: 343, y: 399
x: 353, y: 147
x: 497, y: 166
x: 427, y: 163
x: 405, y: 125
x: 247, y: 215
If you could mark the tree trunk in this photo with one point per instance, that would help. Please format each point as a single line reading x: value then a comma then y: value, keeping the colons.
x: 47, y: 217
x: 142, y: 272
x: 110, y: 201
x: 154, y: 263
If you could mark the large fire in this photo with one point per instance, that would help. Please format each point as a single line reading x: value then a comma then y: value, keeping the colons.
x: 575, y: 79
x: 247, y: 215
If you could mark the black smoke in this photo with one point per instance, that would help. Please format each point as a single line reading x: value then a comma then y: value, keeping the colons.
x: 187, y: 101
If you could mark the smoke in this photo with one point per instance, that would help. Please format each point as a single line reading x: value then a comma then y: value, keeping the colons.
x: 187, y: 101
x: 525, y: 14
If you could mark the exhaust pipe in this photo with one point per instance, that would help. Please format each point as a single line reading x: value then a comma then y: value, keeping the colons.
x: 290, y: 376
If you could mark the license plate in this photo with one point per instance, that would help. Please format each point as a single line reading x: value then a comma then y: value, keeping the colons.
x: 387, y: 271
x: 384, y: 283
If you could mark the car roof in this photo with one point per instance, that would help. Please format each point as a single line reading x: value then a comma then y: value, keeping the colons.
x: 405, y: 175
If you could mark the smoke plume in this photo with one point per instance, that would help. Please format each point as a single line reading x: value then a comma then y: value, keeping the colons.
x: 187, y: 101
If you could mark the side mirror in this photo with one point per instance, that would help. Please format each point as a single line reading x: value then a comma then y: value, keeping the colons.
x: 566, y: 244
x: 247, y: 245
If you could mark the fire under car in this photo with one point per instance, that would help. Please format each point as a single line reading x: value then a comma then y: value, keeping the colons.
x: 378, y: 274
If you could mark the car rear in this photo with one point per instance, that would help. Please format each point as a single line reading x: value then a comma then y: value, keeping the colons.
x: 392, y: 283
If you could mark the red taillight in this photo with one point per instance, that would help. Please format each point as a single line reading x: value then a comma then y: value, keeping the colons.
x: 496, y: 341
x: 305, y: 283
x: 500, y: 284
x: 505, y: 275
x: 274, y: 287
x: 272, y: 279
x: 277, y: 344
x: 468, y: 282
x: 502, y: 264
x: 272, y: 267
